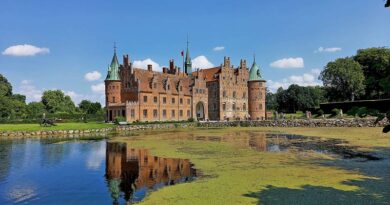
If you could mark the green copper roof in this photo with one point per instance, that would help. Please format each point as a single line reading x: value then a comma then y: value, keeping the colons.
x: 255, y: 73
x: 188, y: 63
x: 113, y: 69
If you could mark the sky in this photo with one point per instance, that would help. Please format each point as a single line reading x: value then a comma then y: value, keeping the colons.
x: 68, y: 45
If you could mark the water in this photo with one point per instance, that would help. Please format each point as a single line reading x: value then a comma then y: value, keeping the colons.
x: 83, y: 172
x: 106, y: 172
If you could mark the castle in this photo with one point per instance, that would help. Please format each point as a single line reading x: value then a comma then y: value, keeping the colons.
x: 224, y: 92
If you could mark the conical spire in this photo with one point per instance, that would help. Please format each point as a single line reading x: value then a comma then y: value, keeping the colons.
x: 113, y: 69
x: 187, y: 62
x: 255, y: 73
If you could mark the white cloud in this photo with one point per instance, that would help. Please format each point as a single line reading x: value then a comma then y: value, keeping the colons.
x: 92, y: 76
x: 144, y: 64
x: 327, y: 50
x: 201, y: 62
x: 25, y: 50
x: 306, y: 79
x: 30, y: 91
x: 98, y: 88
x: 288, y: 63
x: 219, y: 48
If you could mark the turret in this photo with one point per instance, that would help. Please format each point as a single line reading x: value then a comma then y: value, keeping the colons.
x: 256, y: 93
x: 113, y: 83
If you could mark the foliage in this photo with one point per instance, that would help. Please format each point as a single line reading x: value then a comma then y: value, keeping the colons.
x: 320, y: 112
x: 343, y: 79
x: 299, y: 98
x: 119, y: 119
x: 35, y: 109
x: 57, y: 101
x: 5, y: 87
x: 334, y: 112
x: 375, y: 63
x: 89, y: 107
x: 191, y: 119
x: 387, y: 3
x: 60, y: 126
x: 271, y: 102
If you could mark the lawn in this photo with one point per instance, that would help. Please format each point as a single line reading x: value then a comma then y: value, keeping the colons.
x: 59, y: 126
x: 233, y: 174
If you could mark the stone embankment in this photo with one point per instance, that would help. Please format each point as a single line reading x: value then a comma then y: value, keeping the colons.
x: 358, y: 122
x: 268, y: 123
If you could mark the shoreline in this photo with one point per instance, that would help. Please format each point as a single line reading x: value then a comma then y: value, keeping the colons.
x: 369, y: 122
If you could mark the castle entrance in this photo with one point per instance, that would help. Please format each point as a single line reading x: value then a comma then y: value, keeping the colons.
x: 200, y: 111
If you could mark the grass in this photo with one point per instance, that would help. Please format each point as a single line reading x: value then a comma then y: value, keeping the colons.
x: 60, y: 126
x: 237, y: 175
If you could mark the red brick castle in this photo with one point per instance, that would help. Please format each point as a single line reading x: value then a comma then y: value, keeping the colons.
x: 224, y: 92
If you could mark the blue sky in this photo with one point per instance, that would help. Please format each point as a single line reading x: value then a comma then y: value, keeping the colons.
x: 54, y: 44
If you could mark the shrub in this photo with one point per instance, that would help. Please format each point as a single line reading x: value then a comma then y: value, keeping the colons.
x: 334, y: 112
x: 191, y: 119
x: 320, y: 112
x: 119, y: 119
x: 362, y: 112
x: 353, y: 111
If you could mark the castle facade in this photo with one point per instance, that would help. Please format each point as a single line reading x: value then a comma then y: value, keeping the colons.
x: 224, y: 92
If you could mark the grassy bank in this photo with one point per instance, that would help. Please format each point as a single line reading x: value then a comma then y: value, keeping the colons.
x: 234, y: 174
x: 60, y: 126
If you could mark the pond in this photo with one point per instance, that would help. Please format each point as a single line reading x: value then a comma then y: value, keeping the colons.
x: 61, y: 171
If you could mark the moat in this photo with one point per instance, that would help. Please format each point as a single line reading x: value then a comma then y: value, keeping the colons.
x: 153, y: 165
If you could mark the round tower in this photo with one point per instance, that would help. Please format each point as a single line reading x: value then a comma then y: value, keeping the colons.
x: 113, y: 87
x: 256, y: 93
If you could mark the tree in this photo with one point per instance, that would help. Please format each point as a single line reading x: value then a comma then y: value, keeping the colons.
x: 387, y: 3
x: 35, y: 109
x: 343, y: 79
x: 89, y: 107
x: 375, y: 63
x: 5, y: 87
x: 270, y: 102
x: 56, y: 101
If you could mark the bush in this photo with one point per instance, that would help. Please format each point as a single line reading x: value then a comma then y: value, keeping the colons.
x: 320, y: 112
x: 119, y: 119
x: 362, y: 112
x: 191, y: 119
x: 353, y: 111
x: 334, y: 112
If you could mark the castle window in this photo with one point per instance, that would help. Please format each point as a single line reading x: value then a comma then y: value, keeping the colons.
x: 244, y: 107
x: 168, y: 87
x: 154, y: 85
x: 181, y: 88
x: 173, y: 113
x: 234, y: 94
x: 261, y: 106
x: 188, y: 101
x: 181, y: 101
x: 224, y: 107
x: 173, y: 100
x: 181, y: 113
x: 244, y: 95
x: 164, y: 100
x: 145, y: 99
x: 155, y: 99
x: 188, y: 113
x: 164, y: 113
x: 132, y: 113
x: 234, y: 106
x: 224, y: 93
x: 155, y: 113
x: 145, y: 112
x: 113, y: 99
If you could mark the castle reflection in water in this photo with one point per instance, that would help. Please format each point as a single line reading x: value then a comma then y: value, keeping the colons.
x: 131, y: 173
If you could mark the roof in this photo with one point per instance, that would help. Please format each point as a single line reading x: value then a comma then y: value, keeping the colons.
x: 209, y: 73
x: 255, y: 72
x: 113, y: 69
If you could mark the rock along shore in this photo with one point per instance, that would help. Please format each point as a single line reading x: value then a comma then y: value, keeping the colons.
x: 358, y: 122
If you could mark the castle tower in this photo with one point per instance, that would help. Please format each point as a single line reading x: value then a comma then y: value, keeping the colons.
x: 256, y: 93
x: 113, y: 85
x: 187, y: 62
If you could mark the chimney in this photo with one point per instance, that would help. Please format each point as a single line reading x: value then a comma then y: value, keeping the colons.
x: 126, y: 60
x: 171, y: 64
x: 226, y: 61
x: 150, y: 68
x: 242, y: 64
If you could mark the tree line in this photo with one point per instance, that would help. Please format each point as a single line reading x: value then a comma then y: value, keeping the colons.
x: 54, y: 103
x: 364, y: 76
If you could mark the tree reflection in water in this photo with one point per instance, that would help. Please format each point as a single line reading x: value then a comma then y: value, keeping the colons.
x: 134, y: 172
